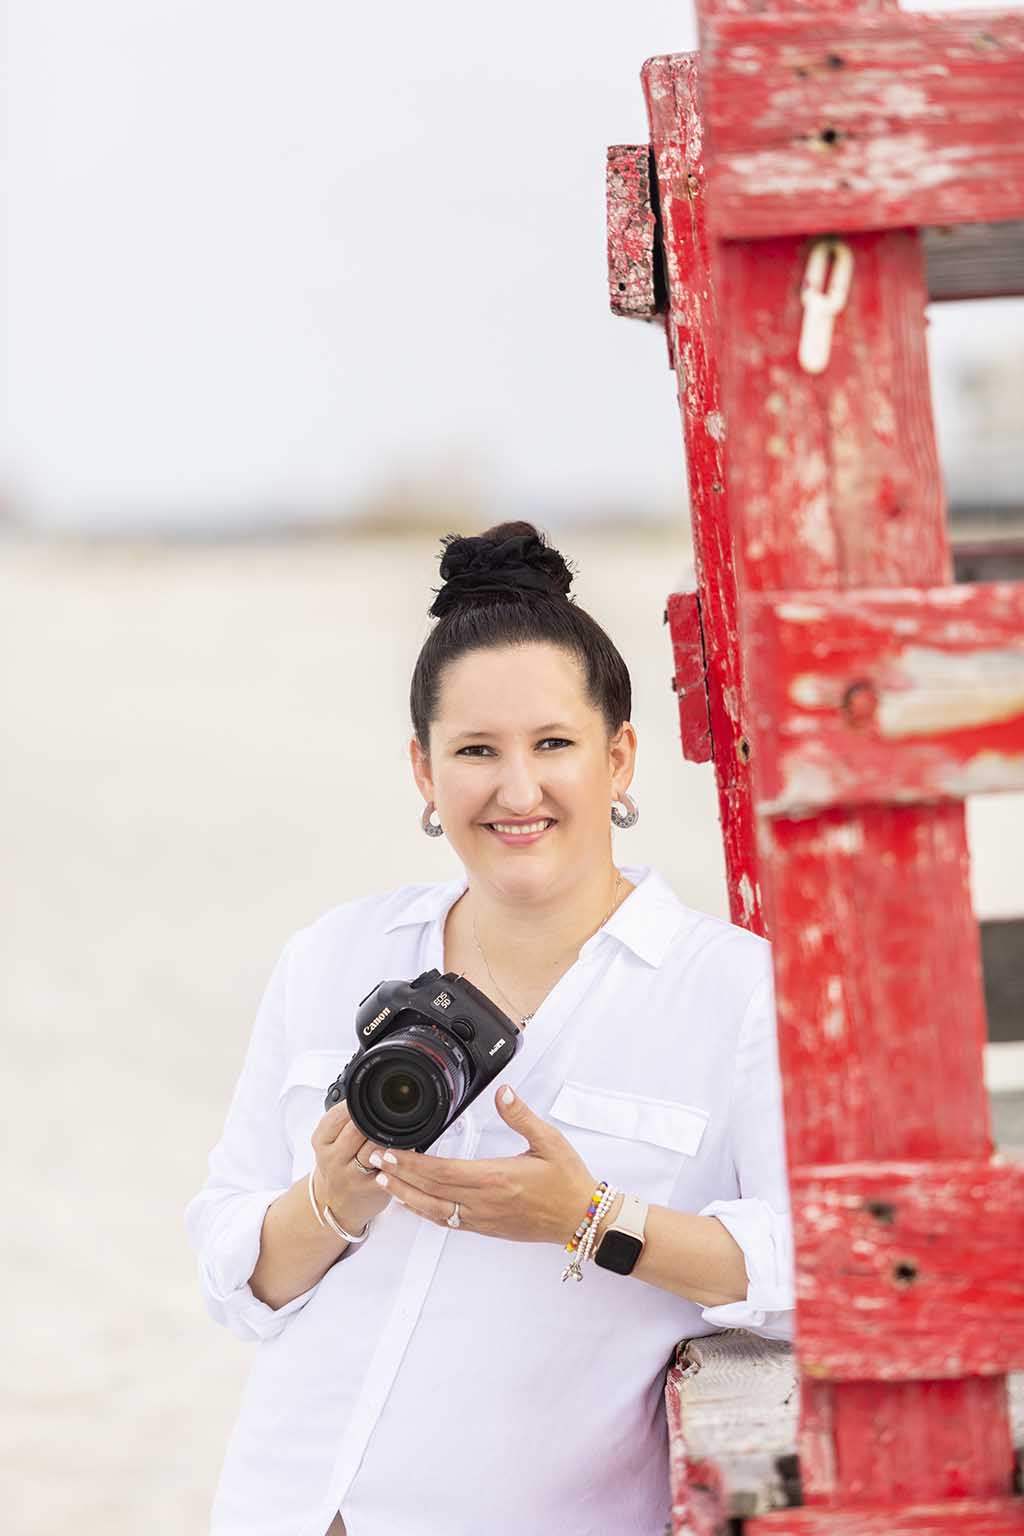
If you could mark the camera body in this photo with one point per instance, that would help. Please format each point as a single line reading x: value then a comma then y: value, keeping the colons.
x: 427, y: 1048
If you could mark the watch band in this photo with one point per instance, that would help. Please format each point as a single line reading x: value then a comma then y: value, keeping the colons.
x: 632, y: 1217
x: 626, y: 1234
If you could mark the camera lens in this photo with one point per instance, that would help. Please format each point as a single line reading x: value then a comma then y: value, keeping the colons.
x: 403, y: 1092
x: 400, y: 1093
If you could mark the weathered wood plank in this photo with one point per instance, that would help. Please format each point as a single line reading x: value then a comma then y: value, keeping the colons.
x: 879, y: 997
x: 671, y: 88
x: 975, y: 261
x: 734, y: 1399
x: 887, y: 696
x: 689, y: 677
x: 838, y: 475
x: 1002, y: 959
x: 864, y: 121
x: 632, y: 223
x: 794, y: 7
x: 964, y: 1517
x: 835, y: 484
x: 910, y: 1271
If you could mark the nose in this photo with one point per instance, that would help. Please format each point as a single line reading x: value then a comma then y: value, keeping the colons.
x: 519, y: 790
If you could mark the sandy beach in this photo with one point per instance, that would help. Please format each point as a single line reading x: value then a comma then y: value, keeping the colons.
x: 205, y: 747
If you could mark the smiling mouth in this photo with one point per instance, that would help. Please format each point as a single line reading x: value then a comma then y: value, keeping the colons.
x: 512, y: 829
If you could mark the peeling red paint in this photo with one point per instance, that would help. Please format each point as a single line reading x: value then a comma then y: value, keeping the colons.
x: 806, y: 491
x: 632, y: 280
x: 910, y: 1269
x: 887, y: 695
x: 671, y: 87
x: 690, y: 677
x: 851, y: 121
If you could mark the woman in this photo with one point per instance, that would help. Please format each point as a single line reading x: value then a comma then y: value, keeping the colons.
x: 423, y: 1370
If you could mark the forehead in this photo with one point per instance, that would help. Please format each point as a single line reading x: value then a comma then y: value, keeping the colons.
x: 511, y: 688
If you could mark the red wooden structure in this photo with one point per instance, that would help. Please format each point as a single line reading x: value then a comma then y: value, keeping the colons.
x: 815, y: 174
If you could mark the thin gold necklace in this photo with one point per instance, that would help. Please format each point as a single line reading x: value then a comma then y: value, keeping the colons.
x: 526, y: 1017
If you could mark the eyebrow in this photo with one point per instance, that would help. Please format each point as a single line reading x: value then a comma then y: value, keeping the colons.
x: 538, y: 730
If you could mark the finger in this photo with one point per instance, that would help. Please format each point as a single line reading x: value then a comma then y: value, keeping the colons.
x: 331, y: 1124
x: 368, y: 1154
x: 419, y: 1176
x: 441, y: 1174
x: 430, y: 1207
x: 543, y: 1138
x: 343, y: 1148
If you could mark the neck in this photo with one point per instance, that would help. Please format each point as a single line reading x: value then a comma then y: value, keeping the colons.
x: 527, y: 936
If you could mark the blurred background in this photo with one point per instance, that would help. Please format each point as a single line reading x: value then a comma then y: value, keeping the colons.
x: 287, y: 293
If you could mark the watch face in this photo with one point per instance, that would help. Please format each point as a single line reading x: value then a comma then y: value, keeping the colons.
x: 618, y: 1252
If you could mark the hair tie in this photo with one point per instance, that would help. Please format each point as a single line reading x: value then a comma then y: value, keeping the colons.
x: 509, y: 569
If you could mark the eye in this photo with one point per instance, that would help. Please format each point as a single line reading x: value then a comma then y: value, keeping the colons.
x: 478, y: 747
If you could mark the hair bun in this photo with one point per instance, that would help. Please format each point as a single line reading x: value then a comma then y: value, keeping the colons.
x: 510, y: 563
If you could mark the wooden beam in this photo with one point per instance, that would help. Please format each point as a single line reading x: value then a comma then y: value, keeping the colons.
x: 1002, y: 958
x: 974, y: 261
x: 954, y: 1517
x: 733, y: 1402
x: 888, y: 696
x: 690, y: 679
x: 910, y: 1270
x: 846, y: 121
x: 671, y: 88
x: 633, y: 286
x: 835, y: 484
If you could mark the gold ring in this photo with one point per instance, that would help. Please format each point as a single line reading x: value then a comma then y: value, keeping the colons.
x: 363, y: 1166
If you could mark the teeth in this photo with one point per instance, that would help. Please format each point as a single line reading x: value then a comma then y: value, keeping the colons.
x: 534, y: 826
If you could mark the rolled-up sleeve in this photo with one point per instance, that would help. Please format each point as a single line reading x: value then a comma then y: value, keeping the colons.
x: 248, y: 1169
x: 759, y: 1220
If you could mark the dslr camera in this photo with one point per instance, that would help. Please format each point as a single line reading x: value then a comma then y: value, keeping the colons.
x: 427, y: 1048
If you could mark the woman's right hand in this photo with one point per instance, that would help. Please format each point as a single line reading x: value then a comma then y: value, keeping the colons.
x: 353, y: 1196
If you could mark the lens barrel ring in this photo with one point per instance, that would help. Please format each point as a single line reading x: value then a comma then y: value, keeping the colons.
x: 405, y: 1089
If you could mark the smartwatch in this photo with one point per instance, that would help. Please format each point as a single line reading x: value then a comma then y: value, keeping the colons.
x: 623, y: 1242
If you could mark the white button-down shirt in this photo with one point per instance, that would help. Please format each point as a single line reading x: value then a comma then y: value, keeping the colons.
x: 442, y: 1383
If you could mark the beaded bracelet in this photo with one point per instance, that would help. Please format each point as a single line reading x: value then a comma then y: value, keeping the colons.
x: 581, y: 1230
x: 603, y: 1210
x: 581, y: 1249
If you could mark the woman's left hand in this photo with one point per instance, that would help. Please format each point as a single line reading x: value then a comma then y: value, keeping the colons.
x: 538, y: 1197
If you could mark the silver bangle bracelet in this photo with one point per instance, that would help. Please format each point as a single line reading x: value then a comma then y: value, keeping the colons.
x: 312, y: 1198
x: 327, y: 1219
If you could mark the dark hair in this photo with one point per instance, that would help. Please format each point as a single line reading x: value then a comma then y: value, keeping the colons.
x: 508, y: 586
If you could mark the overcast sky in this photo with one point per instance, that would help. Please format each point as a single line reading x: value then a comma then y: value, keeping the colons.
x: 267, y: 261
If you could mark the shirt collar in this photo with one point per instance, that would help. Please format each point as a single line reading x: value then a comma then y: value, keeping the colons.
x: 647, y: 922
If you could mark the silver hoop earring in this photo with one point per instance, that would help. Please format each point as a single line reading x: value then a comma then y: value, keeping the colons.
x: 631, y: 815
x: 431, y: 828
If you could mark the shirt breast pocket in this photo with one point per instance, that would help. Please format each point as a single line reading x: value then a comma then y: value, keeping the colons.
x: 301, y: 1100
x: 638, y: 1144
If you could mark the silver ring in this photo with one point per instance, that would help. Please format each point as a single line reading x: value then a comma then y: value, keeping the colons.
x: 453, y: 1219
x: 362, y: 1166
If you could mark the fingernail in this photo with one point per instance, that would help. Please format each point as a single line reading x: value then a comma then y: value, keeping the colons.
x: 374, y: 1158
x: 382, y: 1180
x: 389, y: 1157
x: 507, y: 1095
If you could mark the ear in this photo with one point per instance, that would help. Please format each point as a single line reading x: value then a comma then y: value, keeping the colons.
x: 421, y: 769
x: 622, y: 757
